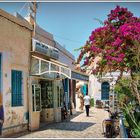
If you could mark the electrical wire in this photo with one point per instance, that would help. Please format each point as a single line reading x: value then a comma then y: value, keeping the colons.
x: 68, y: 39
x: 21, y: 9
x: 57, y: 36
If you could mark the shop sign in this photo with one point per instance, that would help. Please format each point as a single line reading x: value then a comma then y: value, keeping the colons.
x: 79, y: 76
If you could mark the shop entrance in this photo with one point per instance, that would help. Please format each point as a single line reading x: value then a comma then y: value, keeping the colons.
x: 46, y: 102
x: 52, y: 95
x: 47, y: 90
x: 46, y: 94
x: 57, y: 84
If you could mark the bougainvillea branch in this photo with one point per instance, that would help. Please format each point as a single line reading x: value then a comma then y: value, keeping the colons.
x: 117, y: 41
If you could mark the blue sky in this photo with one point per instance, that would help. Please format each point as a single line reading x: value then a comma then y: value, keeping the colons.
x: 70, y: 23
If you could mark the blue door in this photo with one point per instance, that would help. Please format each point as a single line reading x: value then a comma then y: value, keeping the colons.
x: 105, y: 87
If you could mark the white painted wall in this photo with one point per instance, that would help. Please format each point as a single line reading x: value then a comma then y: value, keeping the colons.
x: 94, y: 88
x: 95, y: 85
x: 12, y: 115
x: 15, y: 44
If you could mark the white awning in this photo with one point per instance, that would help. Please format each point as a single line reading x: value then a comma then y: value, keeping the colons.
x: 49, y: 69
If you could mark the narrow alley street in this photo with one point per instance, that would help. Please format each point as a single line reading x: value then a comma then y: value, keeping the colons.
x: 79, y: 126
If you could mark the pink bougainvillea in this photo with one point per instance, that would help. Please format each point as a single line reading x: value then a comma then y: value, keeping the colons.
x: 118, y: 42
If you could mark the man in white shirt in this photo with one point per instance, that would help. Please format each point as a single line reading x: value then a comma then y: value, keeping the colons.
x: 87, y: 103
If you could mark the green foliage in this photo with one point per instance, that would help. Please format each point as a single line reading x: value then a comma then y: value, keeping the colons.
x: 129, y: 116
x: 92, y: 102
x: 100, y: 21
x: 124, y: 91
x: 79, y: 48
x: 135, y: 132
x: 128, y: 104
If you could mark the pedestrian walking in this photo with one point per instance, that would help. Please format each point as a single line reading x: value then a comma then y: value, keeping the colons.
x: 87, y: 103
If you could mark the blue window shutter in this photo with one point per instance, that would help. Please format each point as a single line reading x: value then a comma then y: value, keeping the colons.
x: 16, y: 88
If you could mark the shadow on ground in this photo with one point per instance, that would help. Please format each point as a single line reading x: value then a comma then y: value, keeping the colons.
x: 75, y: 115
x: 68, y: 126
x: 62, y: 126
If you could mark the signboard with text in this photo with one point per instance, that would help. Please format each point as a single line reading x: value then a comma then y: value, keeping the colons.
x: 79, y: 76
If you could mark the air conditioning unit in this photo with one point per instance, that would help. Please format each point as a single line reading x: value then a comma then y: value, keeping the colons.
x: 54, y: 53
x: 45, y: 49
x: 40, y: 47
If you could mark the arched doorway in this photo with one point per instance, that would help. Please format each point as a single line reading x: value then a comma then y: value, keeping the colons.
x: 105, y: 87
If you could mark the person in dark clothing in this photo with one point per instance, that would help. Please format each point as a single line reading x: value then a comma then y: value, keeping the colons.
x: 1, y: 115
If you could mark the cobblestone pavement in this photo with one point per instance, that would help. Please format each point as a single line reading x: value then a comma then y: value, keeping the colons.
x: 79, y: 126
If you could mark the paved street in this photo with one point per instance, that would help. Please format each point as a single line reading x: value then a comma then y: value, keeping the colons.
x: 79, y: 126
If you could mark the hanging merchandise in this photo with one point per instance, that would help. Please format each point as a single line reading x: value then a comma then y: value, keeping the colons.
x: 84, y: 89
x: 66, y: 97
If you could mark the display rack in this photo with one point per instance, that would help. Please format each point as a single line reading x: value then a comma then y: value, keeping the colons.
x: 36, y: 97
x: 47, y: 94
x: 113, y: 102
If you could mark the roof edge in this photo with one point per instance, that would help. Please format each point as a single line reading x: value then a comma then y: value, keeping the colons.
x: 15, y: 19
